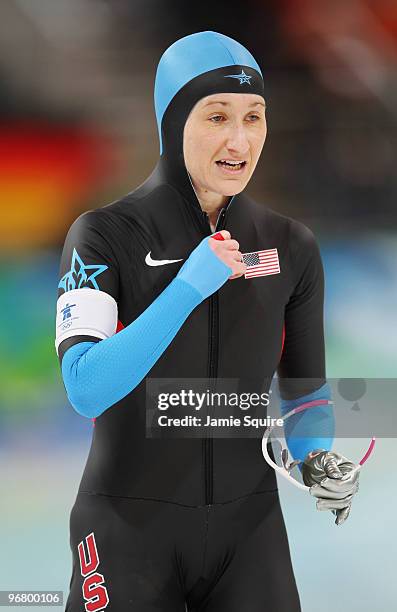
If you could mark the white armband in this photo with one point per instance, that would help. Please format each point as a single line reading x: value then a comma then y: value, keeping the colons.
x: 85, y: 312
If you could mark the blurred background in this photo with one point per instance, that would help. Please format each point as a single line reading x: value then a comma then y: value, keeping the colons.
x: 78, y: 131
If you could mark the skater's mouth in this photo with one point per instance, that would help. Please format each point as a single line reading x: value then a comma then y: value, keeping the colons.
x: 231, y: 166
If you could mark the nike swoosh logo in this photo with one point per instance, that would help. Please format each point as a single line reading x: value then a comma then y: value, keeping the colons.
x: 159, y: 262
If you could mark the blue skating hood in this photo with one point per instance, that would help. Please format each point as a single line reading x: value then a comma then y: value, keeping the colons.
x: 193, y: 67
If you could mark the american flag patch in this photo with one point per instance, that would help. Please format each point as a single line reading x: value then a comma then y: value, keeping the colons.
x: 261, y: 263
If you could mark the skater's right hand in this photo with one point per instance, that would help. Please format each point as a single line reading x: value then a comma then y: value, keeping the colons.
x: 227, y: 249
x: 212, y: 263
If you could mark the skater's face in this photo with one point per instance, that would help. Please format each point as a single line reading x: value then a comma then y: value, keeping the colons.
x: 227, y: 127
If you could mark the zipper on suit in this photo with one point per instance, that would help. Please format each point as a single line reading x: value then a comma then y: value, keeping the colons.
x: 213, y: 350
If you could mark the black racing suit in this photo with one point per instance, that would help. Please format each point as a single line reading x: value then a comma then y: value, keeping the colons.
x: 193, y: 522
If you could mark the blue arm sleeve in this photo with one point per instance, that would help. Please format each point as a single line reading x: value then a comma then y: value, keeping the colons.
x: 310, y: 429
x: 99, y: 374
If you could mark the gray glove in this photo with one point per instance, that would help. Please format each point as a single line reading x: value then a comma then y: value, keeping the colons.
x: 333, y: 479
